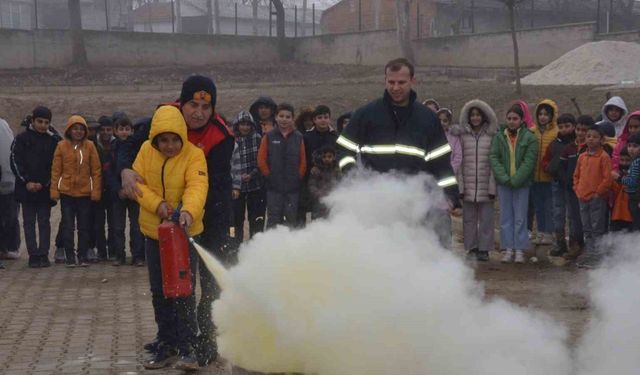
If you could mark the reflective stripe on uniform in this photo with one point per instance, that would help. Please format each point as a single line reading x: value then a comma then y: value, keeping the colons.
x: 346, y: 160
x: 393, y: 149
x: 438, y: 152
x: 346, y: 143
x: 448, y: 181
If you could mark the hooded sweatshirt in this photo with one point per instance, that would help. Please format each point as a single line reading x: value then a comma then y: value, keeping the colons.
x: 545, y: 138
x: 266, y: 100
x: 475, y: 176
x: 618, y: 125
x: 179, y: 179
x: 6, y: 139
x: 76, y: 169
x: 622, y: 141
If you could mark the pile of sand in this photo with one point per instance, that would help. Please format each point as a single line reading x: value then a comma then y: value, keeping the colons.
x: 596, y: 63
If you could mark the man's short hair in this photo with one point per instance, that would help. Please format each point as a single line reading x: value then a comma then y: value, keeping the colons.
x: 285, y: 107
x: 396, y: 64
x: 566, y: 118
x: 321, y: 110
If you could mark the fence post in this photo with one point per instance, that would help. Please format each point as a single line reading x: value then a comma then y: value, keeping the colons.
x: 313, y: 17
x: 598, y: 17
x: 359, y: 15
x: 236, y: 16
x: 295, y: 21
x: 106, y: 13
x: 173, y: 18
x: 270, y: 18
x: 473, y: 16
x: 35, y: 8
x: 533, y: 17
x: 610, y: 23
x: 418, y: 19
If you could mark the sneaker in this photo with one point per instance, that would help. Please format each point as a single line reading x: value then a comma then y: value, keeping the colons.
x: 531, y: 236
x: 163, y: 357
x: 12, y: 255
x: 139, y: 263
x: 519, y: 258
x: 187, y: 361
x: 83, y: 263
x: 59, y: 258
x: 1, y: 266
x: 34, y: 261
x: 44, y: 262
x: 152, y: 346
x: 70, y: 263
x: 483, y: 256
x: 472, y: 254
x: 507, y: 256
x: 118, y: 262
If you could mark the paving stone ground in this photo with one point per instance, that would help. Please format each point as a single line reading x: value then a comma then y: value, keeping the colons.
x: 91, y: 320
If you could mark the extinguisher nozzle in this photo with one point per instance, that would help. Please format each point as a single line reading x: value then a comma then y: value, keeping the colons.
x: 213, y: 265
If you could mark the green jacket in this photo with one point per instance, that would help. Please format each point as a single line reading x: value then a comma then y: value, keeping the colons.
x: 526, y: 154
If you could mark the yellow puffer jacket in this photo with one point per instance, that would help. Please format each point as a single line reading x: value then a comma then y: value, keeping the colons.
x: 76, y: 170
x: 178, y: 179
x: 544, y: 139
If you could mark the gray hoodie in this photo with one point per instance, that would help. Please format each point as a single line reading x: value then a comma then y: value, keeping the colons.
x: 8, y: 181
x: 618, y: 125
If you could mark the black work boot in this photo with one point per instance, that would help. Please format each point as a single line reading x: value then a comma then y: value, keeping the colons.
x: 164, y: 356
x: 206, y: 350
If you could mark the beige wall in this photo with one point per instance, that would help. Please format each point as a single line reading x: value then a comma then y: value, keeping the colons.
x: 52, y: 48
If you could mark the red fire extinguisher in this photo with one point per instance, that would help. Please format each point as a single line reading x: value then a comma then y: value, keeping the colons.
x: 174, y: 258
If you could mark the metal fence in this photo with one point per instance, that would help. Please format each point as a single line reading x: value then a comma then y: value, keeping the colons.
x: 244, y: 17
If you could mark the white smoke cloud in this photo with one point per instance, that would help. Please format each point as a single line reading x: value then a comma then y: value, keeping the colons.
x: 611, y: 344
x: 370, y: 291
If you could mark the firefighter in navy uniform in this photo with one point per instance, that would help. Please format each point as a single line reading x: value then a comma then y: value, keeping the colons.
x: 396, y: 132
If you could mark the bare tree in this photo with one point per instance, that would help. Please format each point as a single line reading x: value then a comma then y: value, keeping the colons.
x: 404, y: 32
x: 78, y: 51
x: 511, y: 6
x: 304, y: 17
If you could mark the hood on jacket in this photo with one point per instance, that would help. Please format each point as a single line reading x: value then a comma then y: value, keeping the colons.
x: 625, y: 130
x: 491, y: 127
x: 527, y: 118
x: 426, y: 102
x: 340, y: 121
x: 554, y: 115
x: 168, y: 119
x: 617, y: 102
x: 266, y: 100
x: 243, y: 116
x: 76, y: 119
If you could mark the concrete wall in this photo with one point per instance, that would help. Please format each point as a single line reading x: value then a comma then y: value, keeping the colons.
x: 626, y: 36
x: 537, y: 47
x: 368, y: 48
x: 52, y: 48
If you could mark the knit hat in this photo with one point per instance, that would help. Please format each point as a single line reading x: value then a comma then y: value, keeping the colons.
x: 41, y: 112
x: 92, y: 123
x: 243, y: 116
x: 105, y: 121
x: 198, y: 87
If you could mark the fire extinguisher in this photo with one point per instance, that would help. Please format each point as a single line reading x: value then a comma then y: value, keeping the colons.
x: 174, y: 258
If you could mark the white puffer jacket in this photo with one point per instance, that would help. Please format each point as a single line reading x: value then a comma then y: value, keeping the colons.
x: 475, y: 177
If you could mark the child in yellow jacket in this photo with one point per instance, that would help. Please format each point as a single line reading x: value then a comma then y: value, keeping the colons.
x: 174, y: 172
x: 76, y: 179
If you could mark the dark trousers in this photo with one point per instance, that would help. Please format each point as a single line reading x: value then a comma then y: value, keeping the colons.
x: 255, y: 204
x: 37, y: 212
x: 9, y: 225
x: 59, y: 242
x: 119, y: 209
x: 175, y: 317
x: 76, y: 211
x: 102, y: 219
x: 635, y: 212
x: 282, y: 208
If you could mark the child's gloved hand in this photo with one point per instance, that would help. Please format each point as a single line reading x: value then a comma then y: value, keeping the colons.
x: 185, y: 219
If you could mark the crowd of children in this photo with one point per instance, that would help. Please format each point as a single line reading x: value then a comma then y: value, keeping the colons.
x: 565, y: 172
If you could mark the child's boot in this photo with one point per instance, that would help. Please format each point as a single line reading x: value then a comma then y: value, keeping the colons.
x: 560, y: 248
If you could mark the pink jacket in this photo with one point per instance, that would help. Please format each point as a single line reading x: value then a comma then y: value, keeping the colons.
x: 622, y: 141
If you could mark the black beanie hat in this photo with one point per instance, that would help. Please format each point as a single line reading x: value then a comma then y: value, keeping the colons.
x: 105, y: 121
x: 194, y: 85
x: 41, y: 112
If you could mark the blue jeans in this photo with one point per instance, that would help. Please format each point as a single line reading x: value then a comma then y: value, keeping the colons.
x: 594, y: 224
x: 559, y: 207
x: 543, y: 205
x: 513, y: 217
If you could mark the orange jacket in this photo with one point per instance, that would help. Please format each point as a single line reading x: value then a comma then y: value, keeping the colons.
x: 620, y: 210
x: 76, y: 170
x: 593, y: 175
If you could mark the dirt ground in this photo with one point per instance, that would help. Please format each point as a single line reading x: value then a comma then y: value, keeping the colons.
x: 559, y: 291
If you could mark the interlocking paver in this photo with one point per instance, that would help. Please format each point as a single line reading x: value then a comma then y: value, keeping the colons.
x: 59, y: 321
